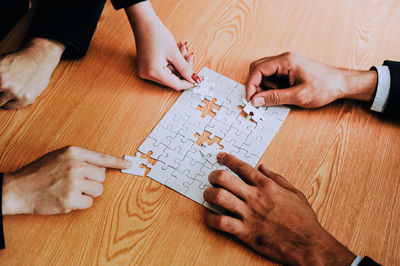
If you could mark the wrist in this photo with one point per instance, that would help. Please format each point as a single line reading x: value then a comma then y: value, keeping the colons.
x: 47, y: 47
x: 141, y: 14
x: 13, y: 200
x: 360, y: 85
x: 325, y: 250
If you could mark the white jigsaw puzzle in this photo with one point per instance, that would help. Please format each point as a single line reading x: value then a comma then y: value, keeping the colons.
x: 182, y: 164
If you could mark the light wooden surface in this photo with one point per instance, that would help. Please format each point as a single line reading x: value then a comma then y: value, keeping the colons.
x: 343, y: 157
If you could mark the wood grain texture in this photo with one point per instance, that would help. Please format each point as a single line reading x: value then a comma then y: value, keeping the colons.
x: 343, y: 157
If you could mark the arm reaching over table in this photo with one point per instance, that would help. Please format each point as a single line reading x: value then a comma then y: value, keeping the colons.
x: 293, y: 79
x: 271, y: 216
x: 158, y: 57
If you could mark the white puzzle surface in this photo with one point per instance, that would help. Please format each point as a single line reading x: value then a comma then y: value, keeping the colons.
x: 183, y: 165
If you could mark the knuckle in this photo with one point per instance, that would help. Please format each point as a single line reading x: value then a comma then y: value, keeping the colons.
x: 73, y: 166
x: 242, y: 167
x: 288, y: 54
x: 221, y: 195
x: 221, y: 176
x: 99, y: 189
x: 274, y: 97
x: 70, y: 151
x: 222, y: 222
x: 89, y: 202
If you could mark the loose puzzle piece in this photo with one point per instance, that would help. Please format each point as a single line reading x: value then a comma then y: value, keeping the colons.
x: 204, y: 121
x: 137, y: 162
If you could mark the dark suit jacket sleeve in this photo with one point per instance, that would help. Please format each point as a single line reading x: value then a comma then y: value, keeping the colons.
x: 124, y: 3
x: 367, y: 261
x: 393, y: 105
x: 71, y: 23
x: 2, y: 243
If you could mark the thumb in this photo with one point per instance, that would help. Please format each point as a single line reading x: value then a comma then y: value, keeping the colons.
x: 278, y: 96
x: 184, y: 68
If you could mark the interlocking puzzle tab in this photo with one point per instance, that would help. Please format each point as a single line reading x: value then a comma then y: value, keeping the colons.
x: 204, y: 121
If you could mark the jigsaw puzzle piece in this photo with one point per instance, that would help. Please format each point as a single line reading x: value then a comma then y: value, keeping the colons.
x: 205, y: 88
x: 189, y: 99
x: 137, y: 162
x: 181, y: 144
x: 243, y: 125
x: 211, y: 75
x: 235, y: 137
x: 247, y: 157
x: 152, y: 145
x: 279, y: 112
x: 162, y: 135
x: 226, y: 116
x: 217, y: 128
x: 179, y: 182
x: 160, y: 172
x: 187, y: 132
x: 257, y: 142
x: 172, y: 123
x: 226, y: 84
x: 230, y: 146
x: 210, y: 152
x: 234, y: 98
x: 191, y: 164
x: 171, y: 157
x: 195, y: 191
x: 256, y: 113
x: 199, y: 122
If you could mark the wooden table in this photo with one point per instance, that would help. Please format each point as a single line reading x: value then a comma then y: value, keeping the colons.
x: 343, y: 157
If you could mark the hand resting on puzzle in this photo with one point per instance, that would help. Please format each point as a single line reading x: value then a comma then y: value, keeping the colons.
x: 59, y: 182
x: 271, y: 216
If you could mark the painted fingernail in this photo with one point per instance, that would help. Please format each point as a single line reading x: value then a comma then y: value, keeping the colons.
x: 221, y: 155
x: 196, y: 78
x: 127, y: 163
x: 259, y: 101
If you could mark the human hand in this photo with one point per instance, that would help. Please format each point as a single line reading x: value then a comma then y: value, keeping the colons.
x: 59, y: 182
x: 271, y: 216
x: 25, y: 74
x: 158, y: 57
x: 293, y: 79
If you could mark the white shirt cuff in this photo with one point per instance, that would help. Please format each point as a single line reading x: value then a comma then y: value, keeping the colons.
x: 382, y: 89
x: 356, y: 261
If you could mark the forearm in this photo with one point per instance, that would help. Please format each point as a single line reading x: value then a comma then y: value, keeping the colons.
x: 141, y: 16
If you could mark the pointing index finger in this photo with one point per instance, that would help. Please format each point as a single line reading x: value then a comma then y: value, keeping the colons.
x: 242, y: 169
x: 100, y: 159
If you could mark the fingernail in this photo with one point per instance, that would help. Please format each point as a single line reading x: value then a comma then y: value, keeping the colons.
x: 127, y: 163
x: 259, y: 101
x: 196, y: 78
x: 221, y: 155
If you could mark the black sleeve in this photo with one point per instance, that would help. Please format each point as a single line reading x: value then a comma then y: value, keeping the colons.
x: 10, y: 13
x: 71, y: 23
x: 124, y: 3
x: 367, y: 261
x: 2, y: 242
x: 393, y: 105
